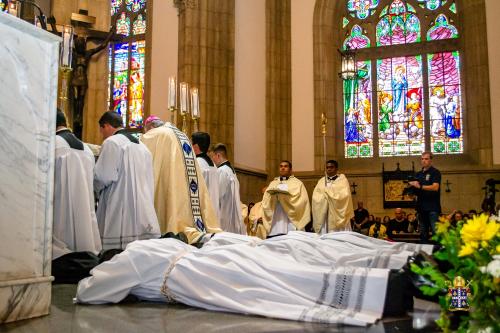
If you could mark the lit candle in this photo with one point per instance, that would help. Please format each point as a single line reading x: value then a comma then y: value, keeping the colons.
x: 195, y: 103
x: 184, y: 97
x: 67, y: 46
x: 172, y: 90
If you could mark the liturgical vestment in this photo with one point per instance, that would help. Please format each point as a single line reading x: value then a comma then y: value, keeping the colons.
x: 211, y: 177
x: 181, y: 200
x: 285, y: 206
x: 75, y: 223
x: 231, y: 219
x: 332, y: 202
x: 255, y: 226
x: 124, y: 178
x: 336, y: 278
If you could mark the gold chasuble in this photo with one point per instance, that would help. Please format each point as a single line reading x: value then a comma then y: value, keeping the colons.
x: 182, y: 201
x: 293, y: 198
x: 254, y: 226
x: 332, y: 202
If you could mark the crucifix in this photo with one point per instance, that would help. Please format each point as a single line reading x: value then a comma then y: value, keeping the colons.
x: 448, y: 190
x: 353, y: 186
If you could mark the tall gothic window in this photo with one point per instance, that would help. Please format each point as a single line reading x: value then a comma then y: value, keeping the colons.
x: 407, y: 95
x: 126, y: 61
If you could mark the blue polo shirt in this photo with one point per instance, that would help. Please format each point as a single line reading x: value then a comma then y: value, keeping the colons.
x: 429, y: 201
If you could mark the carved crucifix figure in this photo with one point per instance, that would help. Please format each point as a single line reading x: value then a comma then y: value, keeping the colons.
x: 79, y: 82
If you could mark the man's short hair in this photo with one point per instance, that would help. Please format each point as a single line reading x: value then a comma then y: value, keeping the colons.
x: 288, y: 162
x: 334, y: 163
x: 428, y: 153
x: 202, y: 139
x: 112, y: 118
x: 156, y: 123
x: 60, y: 119
x: 221, y: 149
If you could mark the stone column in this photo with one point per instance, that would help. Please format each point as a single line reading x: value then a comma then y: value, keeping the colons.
x: 278, y: 84
x: 206, y: 61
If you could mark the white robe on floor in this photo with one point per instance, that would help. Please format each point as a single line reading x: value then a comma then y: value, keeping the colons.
x: 124, y: 178
x: 299, y: 276
x: 230, y: 216
x: 75, y: 224
x: 212, y: 180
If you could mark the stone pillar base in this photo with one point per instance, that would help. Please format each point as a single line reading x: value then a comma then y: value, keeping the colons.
x: 26, y: 298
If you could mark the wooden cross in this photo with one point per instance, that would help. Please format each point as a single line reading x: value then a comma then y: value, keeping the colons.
x: 353, y: 185
x: 448, y: 190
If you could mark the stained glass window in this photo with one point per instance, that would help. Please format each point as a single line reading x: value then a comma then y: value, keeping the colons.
x: 431, y: 4
x: 358, y: 113
x: 400, y: 112
x: 408, y: 116
x: 361, y: 8
x: 127, y: 62
x: 139, y: 25
x: 399, y: 25
x: 441, y: 29
x: 356, y: 40
x: 445, y: 103
x: 135, y: 5
x: 115, y: 5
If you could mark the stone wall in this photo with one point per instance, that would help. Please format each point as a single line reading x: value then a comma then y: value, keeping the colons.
x: 206, y: 60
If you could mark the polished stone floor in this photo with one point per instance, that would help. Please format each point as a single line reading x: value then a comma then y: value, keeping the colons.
x: 66, y: 317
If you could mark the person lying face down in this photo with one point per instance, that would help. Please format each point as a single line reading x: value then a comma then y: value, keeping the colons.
x: 299, y: 276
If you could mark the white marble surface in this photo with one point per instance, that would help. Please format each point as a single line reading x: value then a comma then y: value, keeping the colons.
x: 28, y: 95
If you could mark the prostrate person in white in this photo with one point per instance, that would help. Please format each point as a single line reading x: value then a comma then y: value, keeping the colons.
x: 123, y: 177
x: 331, y: 202
x: 201, y: 143
x: 230, y: 216
x: 315, y: 279
x: 285, y: 203
x: 75, y: 224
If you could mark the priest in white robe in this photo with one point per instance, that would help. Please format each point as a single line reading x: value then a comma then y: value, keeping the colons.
x: 285, y: 203
x: 75, y: 223
x: 123, y: 177
x: 181, y: 199
x: 331, y: 201
x: 201, y: 143
x: 337, y: 278
x: 231, y: 219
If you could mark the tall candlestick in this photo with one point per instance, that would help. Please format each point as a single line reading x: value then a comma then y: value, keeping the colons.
x: 195, y: 103
x: 184, y: 87
x: 172, y: 92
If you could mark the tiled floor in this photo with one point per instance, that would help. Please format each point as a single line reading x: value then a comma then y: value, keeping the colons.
x: 66, y: 317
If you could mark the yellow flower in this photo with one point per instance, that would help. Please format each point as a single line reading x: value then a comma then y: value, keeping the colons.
x: 442, y: 226
x: 479, y: 229
x: 466, y: 250
x: 491, y: 230
x: 498, y: 248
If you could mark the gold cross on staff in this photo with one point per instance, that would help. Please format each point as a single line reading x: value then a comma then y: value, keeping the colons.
x: 323, y: 123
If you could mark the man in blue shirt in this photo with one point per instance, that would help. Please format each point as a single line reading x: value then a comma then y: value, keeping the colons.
x: 428, y: 191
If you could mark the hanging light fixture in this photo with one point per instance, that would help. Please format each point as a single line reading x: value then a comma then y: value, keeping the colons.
x: 349, y: 69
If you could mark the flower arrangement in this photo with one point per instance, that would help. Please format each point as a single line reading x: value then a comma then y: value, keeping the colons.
x: 470, y: 254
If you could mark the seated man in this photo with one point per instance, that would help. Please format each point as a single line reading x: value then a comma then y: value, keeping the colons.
x: 285, y: 203
x: 300, y: 283
x: 398, y: 224
x: 362, y: 222
x: 181, y: 198
x: 75, y: 223
x: 331, y: 202
x: 123, y: 177
x: 378, y: 230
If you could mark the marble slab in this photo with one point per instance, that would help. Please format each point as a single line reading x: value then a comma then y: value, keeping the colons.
x: 28, y: 95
